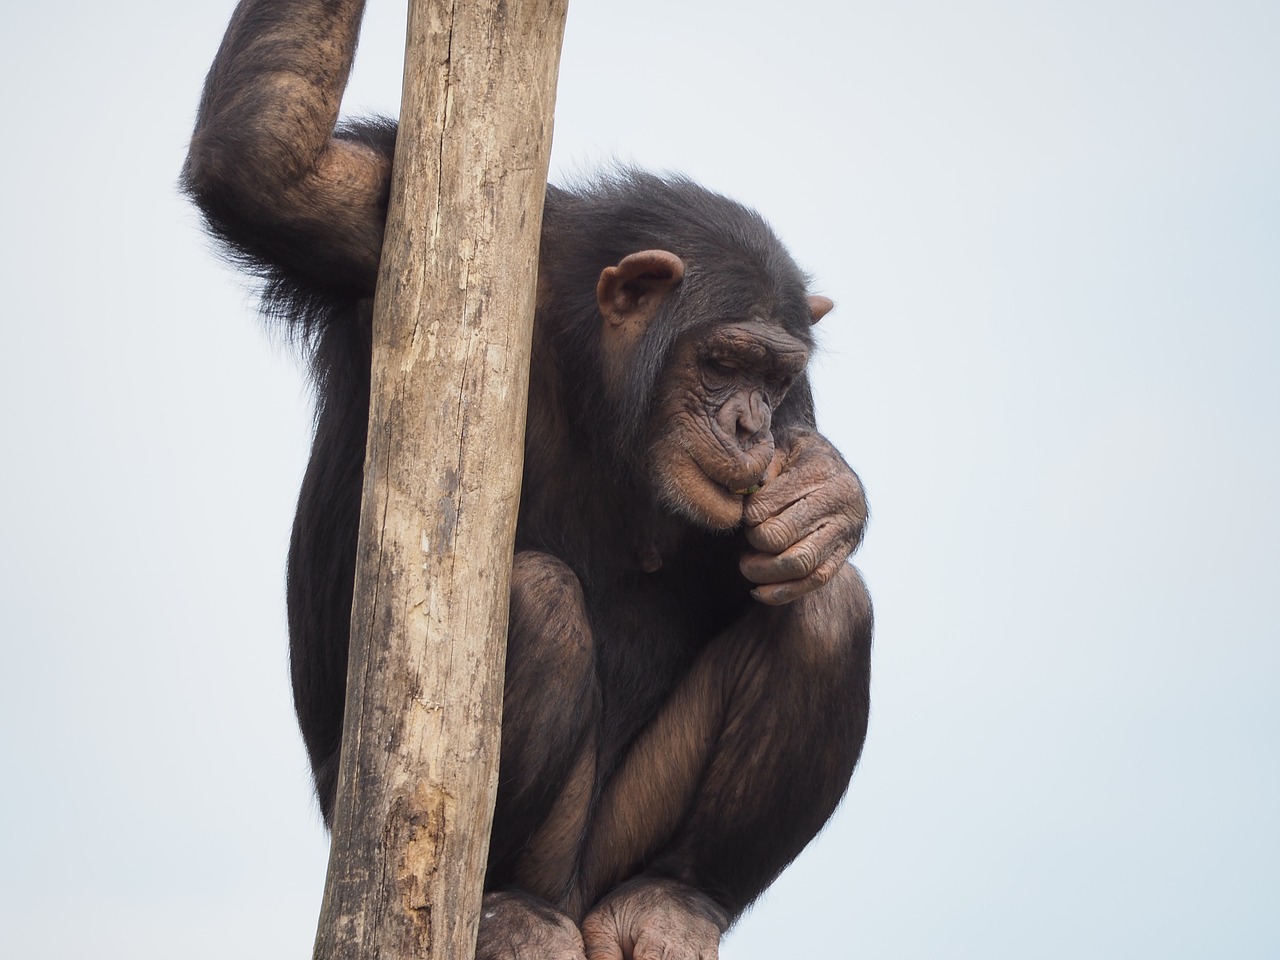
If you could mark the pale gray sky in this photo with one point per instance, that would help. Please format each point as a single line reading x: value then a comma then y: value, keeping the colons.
x: 1053, y: 234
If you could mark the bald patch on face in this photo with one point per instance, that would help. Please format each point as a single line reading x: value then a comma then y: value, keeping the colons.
x: 713, y: 438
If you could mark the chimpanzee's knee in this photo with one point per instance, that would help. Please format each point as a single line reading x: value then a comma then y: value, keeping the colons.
x: 826, y: 650
x: 791, y: 684
x: 828, y: 657
x: 548, y: 620
x: 551, y: 701
x: 836, y: 621
x: 803, y: 686
x: 551, y: 681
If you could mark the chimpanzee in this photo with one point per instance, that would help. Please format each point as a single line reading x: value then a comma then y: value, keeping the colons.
x: 687, y: 672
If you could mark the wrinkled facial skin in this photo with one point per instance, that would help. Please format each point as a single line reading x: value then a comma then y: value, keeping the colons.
x: 713, y: 438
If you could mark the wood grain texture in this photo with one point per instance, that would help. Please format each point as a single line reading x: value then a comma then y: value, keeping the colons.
x: 452, y: 332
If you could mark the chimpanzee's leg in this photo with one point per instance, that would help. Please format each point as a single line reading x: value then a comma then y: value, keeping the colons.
x: 551, y: 710
x: 742, y: 767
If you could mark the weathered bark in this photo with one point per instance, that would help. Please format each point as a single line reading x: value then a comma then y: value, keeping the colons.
x: 452, y: 331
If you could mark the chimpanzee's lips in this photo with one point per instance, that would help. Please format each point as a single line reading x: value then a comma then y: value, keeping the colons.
x: 737, y: 482
x: 735, y: 475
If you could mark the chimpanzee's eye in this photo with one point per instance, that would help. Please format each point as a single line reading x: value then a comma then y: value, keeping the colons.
x: 720, y: 369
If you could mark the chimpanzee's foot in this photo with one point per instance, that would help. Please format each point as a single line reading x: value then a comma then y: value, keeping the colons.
x: 651, y: 919
x: 515, y: 926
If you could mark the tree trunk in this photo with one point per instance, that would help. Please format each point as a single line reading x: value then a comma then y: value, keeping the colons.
x: 452, y: 332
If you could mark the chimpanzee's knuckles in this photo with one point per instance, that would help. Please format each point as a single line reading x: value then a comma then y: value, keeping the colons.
x: 838, y: 515
x: 844, y: 529
x: 776, y: 533
x: 783, y: 592
x: 666, y: 948
x: 604, y: 950
x: 814, y: 462
x: 516, y: 926
x: 800, y: 559
x: 849, y: 508
x: 797, y: 507
x: 674, y: 937
x: 825, y: 573
x: 601, y: 936
x: 652, y: 919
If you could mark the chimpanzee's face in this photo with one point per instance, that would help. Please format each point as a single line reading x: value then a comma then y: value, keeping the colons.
x: 711, y: 442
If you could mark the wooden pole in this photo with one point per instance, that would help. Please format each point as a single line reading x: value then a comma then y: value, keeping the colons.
x: 452, y: 331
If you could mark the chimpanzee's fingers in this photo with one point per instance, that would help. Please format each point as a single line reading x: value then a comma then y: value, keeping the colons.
x: 601, y: 945
x: 815, y: 486
x: 778, y: 495
x: 802, y: 558
x: 788, y: 479
x: 777, y: 464
x: 777, y: 594
x: 798, y: 519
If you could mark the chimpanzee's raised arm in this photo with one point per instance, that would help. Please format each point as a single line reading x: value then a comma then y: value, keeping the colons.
x: 265, y: 166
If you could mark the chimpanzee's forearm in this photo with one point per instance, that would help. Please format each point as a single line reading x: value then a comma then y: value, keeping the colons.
x: 264, y: 166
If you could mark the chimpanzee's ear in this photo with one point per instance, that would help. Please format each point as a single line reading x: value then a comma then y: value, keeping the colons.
x: 819, y: 307
x: 629, y: 294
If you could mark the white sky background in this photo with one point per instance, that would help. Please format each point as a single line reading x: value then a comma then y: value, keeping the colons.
x: 1053, y: 234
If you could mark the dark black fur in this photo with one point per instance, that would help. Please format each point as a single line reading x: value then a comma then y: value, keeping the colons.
x: 586, y: 516
x: 597, y: 645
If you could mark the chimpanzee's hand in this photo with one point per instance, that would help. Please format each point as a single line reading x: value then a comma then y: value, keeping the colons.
x: 652, y: 919
x: 805, y: 520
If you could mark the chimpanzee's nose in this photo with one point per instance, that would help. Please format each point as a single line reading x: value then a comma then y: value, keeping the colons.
x: 753, y: 420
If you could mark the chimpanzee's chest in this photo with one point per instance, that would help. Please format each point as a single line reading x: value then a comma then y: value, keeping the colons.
x: 649, y: 629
